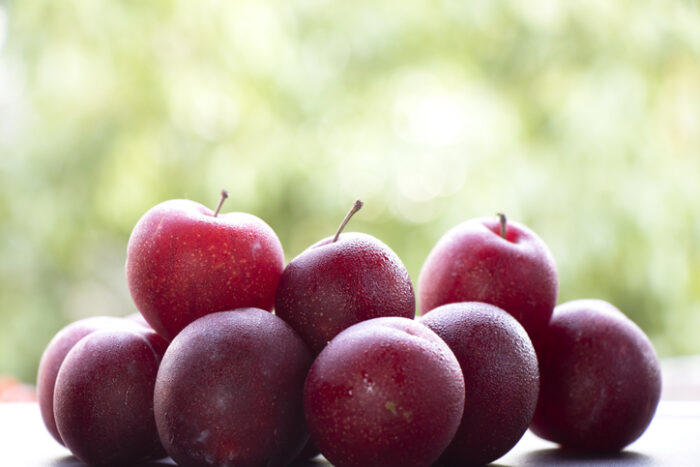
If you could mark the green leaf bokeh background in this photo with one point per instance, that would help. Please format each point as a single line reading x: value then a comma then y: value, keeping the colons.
x: 580, y: 119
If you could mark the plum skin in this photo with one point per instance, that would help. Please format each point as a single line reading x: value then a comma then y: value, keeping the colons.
x: 53, y: 357
x: 103, y: 398
x: 384, y: 392
x: 182, y: 263
x: 472, y: 262
x: 501, y: 379
x: 600, y: 378
x: 229, y: 391
x: 333, y: 285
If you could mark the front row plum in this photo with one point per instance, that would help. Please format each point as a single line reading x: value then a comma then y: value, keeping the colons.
x: 384, y: 392
x: 103, y: 396
x: 500, y: 377
x: 229, y: 391
x: 600, y: 378
x: 56, y: 352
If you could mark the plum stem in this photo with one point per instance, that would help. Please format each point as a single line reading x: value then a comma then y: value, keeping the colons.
x: 503, y: 220
x: 355, y: 207
x: 224, y: 195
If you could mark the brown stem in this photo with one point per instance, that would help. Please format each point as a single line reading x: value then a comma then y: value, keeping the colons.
x: 503, y: 220
x: 224, y: 195
x: 355, y: 207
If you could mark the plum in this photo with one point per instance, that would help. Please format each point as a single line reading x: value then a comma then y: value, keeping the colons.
x: 600, y: 378
x: 229, y: 391
x: 56, y: 352
x: 495, y: 261
x: 501, y: 379
x: 184, y: 260
x: 340, y: 281
x: 103, y: 397
x: 384, y: 392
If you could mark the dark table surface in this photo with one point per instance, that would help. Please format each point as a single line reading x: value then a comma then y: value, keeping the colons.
x: 673, y: 438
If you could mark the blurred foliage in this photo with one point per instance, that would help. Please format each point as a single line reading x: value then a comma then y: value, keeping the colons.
x: 579, y: 118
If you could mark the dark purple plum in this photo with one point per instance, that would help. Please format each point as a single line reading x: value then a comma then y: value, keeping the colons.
x: 229, y: 391
x: 501, y: 379
x: 600, y: 378
x: 384, y: 392
x: 341, y: 281
x: 103, y: 398
x: 54, y: 354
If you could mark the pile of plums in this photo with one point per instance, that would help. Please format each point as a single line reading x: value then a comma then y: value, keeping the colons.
x: 209, y: 375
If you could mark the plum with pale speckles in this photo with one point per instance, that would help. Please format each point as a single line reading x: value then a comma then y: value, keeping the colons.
x: 501, y: 379
x: 333, y: 285
x: 385, y: 392
x: 229, y: 391
x: 472, y: 262
x: 600, y: 380
x: 184, y: 262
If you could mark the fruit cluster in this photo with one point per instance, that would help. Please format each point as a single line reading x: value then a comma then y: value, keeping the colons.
x: 212, y: 377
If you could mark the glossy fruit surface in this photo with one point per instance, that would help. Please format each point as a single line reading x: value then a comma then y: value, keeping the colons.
x: 229, y: 391
x: 333, y: 285
x: 500, y: 377
x: 384, y: 392
x: 600, y: 378
x: 472, y: 262
x: 184, y: 262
